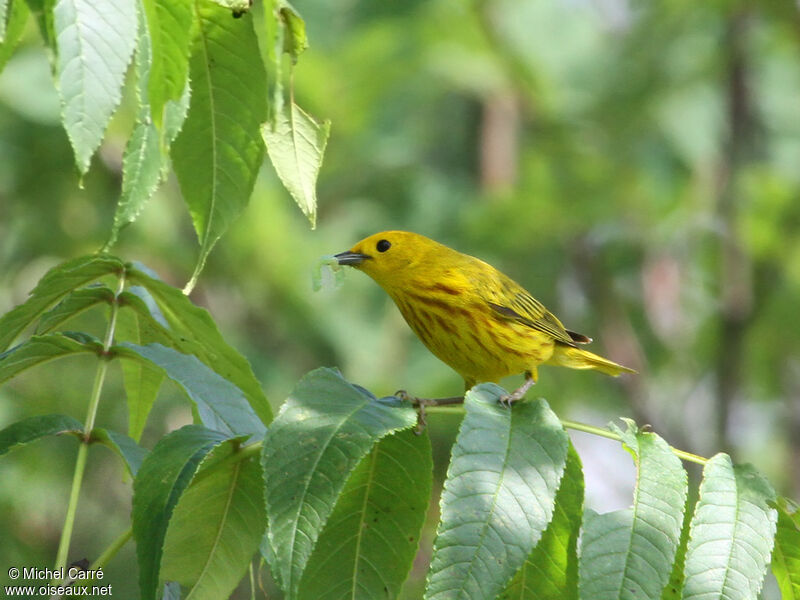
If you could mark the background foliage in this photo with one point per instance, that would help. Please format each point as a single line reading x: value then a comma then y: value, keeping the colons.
x: 632, y: 164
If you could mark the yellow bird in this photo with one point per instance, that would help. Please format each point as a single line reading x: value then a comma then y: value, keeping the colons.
x: 470, y: 315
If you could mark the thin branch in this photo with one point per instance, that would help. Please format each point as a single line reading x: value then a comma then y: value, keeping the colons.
x: 577, y: 426
x: 80, y: 460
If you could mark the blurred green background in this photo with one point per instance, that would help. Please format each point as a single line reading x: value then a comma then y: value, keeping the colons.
x: 635, y: 165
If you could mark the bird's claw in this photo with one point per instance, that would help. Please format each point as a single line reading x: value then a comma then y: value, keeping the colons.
x: 419, y: 404
x: 508, y: 400
x: 404, y: 395
x: 505, y: 400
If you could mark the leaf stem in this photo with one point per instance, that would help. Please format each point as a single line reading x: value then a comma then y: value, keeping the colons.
x: 613, y: 436
x: 112, y: 549
x: 431, y: 404
x: 83, y: 449
x: 241, y: 454
x: 187, y: 289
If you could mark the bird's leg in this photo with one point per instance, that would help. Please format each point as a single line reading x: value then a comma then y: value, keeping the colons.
x: 421, y: 403
x: 519, y: 393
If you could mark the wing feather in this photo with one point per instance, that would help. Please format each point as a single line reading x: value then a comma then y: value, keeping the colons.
x: 511, y: 301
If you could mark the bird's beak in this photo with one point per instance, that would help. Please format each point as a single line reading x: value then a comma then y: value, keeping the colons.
x: 351, y: 258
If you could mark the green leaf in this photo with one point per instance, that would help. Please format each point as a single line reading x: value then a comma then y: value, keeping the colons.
x: 15, y: 26
x: 220, y: 404
x: 218, y: 152
x: 296, y: 146
x: 641, y: 541
x: 237, y: 7
x: 732, y: 533
x: 3, y: 18
x: 368, y: 544
x: 786, y: 556
x: 55, y: 284
x: 674, y: 588
x: 551, y: 570
x: 174, y: 117
x: 144, y: 161
x: 162, y: 479
x: 193, y: 331
x: 44, y: 348
x: 499, y: 494
x: 295, y: 40
x: 141, y: 382
x: 273, y: 51
x: 43, y: 12
x: 33, y: 428
x: 216, y: 526
x: 128, y: 450
x: 95, y: 40
x: 74, y: 304
x: 324, y: 429
x: 169, y: 23
x: 285, y: 31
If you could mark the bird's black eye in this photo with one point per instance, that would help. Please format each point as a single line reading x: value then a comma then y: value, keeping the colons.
x: 384, y: 245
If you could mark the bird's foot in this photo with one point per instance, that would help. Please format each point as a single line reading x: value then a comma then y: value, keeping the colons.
x: 509, y: 399
x: 421, y: 403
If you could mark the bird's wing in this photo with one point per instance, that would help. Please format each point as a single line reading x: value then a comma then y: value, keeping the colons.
x: 510, y: 300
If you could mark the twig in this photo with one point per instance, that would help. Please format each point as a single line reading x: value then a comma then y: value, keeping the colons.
x: 577, y: 426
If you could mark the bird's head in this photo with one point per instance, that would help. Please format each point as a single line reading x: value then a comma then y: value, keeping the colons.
x: 388, y: 256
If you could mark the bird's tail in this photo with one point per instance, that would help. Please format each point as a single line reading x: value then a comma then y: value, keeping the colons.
x: 576, y: 358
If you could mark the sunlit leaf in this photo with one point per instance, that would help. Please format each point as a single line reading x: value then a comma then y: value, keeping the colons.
x: 551, y: 570
x: 296, y: 146
x: 141, y: 173
x: 169, y: 24
x: 295, y: 40
x: 324, y: 429
x: 95, y: 41
x: 628, y: 554
x: 14, y: 27
x: 786, y: 557
x: 237, y: 7
x: 273, y: 50
x: 498, y: 498
x: 3, y: 18
x: 144, y: 161
x: 42, y: 10
x: 674, y: 588
x: 732, y: 533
